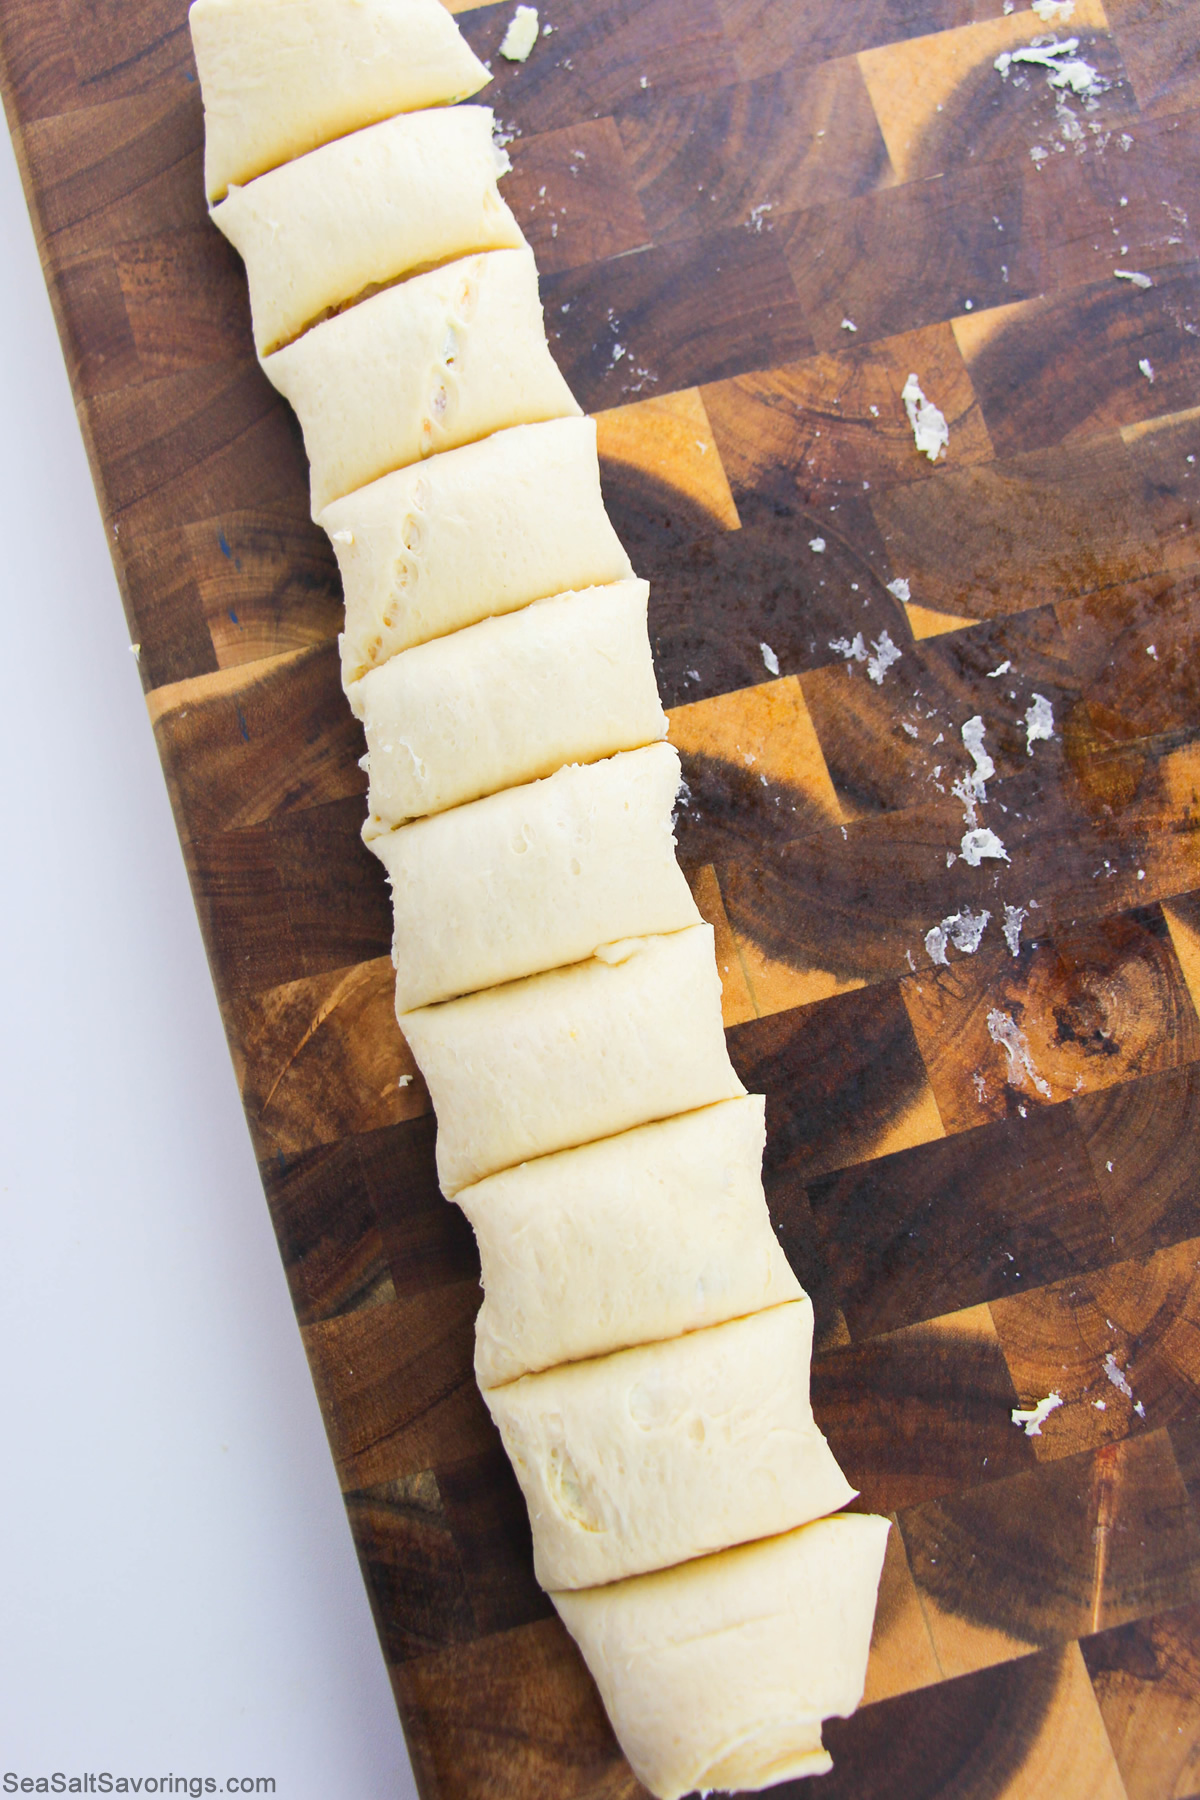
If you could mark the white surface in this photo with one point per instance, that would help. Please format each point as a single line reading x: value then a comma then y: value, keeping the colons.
x: 178, y: 1587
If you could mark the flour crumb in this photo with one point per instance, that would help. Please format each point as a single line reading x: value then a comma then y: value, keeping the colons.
x: 849, y: 325
x: 1004, y: 1031
x: 1014, y: 918
x: 1035, y: 1417
x: 1039, y: 722
x: 853, y: 649
x: 1147, y: 368
x: 758, y: 216
x: 930, y: 432
x: 521, y: 36
x: 962, y: 929
x: 1117, y: 1375
x: 817, y: 544
x: 885, y: 655
x: 900, y: 588
x: 770, y: 658
x: 1135, y: 276
x: 981, y: 843
x: 1002, y: 669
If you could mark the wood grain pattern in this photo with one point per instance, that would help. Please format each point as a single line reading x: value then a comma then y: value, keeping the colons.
x: 754, y: 219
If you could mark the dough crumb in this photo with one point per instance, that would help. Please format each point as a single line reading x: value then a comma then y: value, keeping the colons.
x: 522, y: 34
x: 1035, y: 1417
x: 930, y: 432
x: 769, y: 657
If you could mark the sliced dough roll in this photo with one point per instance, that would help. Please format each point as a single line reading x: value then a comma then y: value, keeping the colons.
x: 440, y: 360
x: 717, y: 1674
x: 407, y: 194
x: 507, y: 701
x: 280, y: 77
x: 477, y: 532
x: 651, y: 1456
x: 648, y: 1235
x: 560, y: 1059
x: 536, y: 877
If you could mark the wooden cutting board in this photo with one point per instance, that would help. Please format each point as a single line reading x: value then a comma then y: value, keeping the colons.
x: 755, y: 218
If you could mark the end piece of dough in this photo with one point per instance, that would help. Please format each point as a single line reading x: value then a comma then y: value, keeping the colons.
x: 536, y: 877
x: 473, y: 533
x: 332, y: 226
x: 439, y: 361
x: 718, y: 1673
x: 507, y: 701
x: 651, y: 1456
x: 280, y: 77
x: 660, y: 1231
x: 560, y: 1059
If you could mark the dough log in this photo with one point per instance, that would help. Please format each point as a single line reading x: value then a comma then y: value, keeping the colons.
x: 652, y: 1456
x: 645, y: 1236
x: 717, y: 1674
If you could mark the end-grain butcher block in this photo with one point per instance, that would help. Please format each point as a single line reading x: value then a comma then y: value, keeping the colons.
x: 659, y: 1231
x: 480, y: 531
x: 280, y: 77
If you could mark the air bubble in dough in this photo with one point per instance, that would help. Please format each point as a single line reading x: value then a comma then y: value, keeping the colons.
x: 653, y: 1455
x: 581, y: 1053
x: 659, y: 1231
x: 506, y: 701
x: 331, y: 226
x: 280, y: 77
x: 438, y: 361
x: 477, y: 532
x: 718, y: 1673
x: 535, y: 877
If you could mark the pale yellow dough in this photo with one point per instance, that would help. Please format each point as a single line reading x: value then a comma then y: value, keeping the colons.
x: 477, y: 532
x: 650, y: 1456
x: 403, y: 195
x: 535, y: 877
x: 280, y: 77
x: 717, y: 1674
x: 559, y: 1059
x: 659, y: 1231
x: 438, y: 361
x: 507, y: 701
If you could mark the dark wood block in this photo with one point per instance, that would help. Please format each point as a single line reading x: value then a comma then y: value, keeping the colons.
x: 411, y: 1566
x: 515, y: 1714
x: 767, y: 33
x: 921, y: 1412
x: 486, y: 1510
x: 599, y: 53
x: 328, y: 1233
x: 752, y: 154
x: 1088, y: 1008
x: 835, y: 425
x: 1075, y: 1546
x: 1028, y: 1727
x: 397, y: 1386
x: 1068, y: 366
x: 1147, y: 1680
x: 260, y: 744
x: 953, y: 1223
x: 1158, y: 45
x: 1020, y: 531
x: 1115, y: 1344
x: 573, y: 194
x: 300, y: 897
x: 677, y: 314
x: 426, y: 1238
x: 1143, y: 1141
x: 839, y: 1077
x: 901, y: 258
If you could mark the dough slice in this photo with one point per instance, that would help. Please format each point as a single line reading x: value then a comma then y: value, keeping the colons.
x: 440, y: 360
x: 536, y: 877
x: 476, y: 532
x: 659, y: 1231
x: 404, y: 195
x: 507, y: 701
x: 717, y: 1674
x: 648, y: 1457
x: 280, y: 77
x: 559, y: 1059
